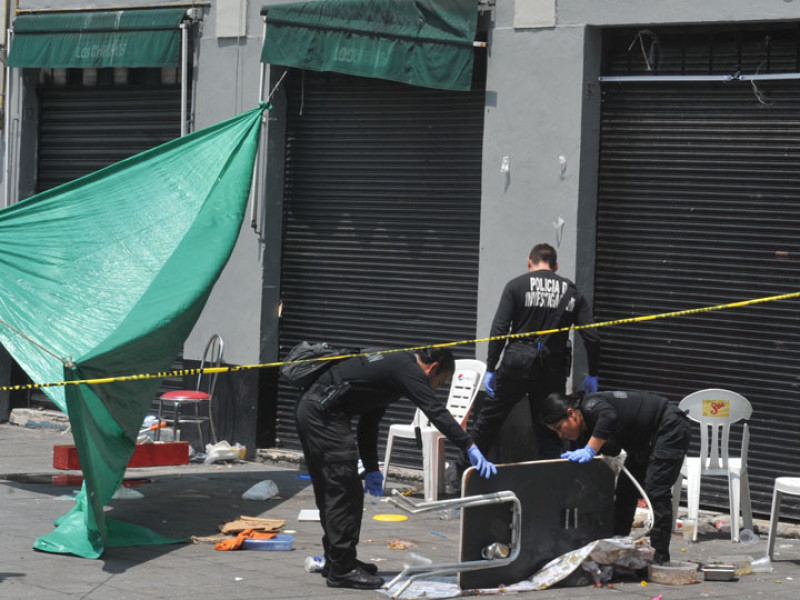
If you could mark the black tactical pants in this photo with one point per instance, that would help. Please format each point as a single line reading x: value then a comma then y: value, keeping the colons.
x: 510, y: 390
x: 331, y: 455
x: 657, y: 471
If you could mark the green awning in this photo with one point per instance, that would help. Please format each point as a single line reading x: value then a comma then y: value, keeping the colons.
x: 97, y: 39
x: 428, y: 43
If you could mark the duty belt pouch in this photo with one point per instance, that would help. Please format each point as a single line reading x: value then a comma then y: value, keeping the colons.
x: 521, y: 359
x: 329, y: 395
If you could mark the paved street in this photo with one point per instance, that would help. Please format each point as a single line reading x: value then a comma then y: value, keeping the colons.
x: 193, y: 500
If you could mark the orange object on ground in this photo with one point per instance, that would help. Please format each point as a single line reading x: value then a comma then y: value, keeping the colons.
x: 236, y: 543
x: 144, y: 455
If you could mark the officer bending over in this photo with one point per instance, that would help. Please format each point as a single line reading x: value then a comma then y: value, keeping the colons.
x: 654, y: 433
x: 365, y: 386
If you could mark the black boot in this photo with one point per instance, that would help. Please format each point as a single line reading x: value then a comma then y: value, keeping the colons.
x: 661, y: 558
x: 370, y: 568
x: 357, y: 579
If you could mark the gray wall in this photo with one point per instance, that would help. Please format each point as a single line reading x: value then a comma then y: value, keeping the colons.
x: 542, y: 103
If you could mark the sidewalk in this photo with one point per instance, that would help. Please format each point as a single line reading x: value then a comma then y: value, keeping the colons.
x: 193, y: 500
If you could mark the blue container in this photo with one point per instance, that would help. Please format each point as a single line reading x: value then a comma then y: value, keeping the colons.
x: 279, y: 542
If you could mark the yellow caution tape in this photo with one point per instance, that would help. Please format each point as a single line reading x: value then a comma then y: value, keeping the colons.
x: 235, y: 368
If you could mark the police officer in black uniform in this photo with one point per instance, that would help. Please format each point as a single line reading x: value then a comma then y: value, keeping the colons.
x: 364, y: 387
x: 654, y: 432
x: 529, y: 303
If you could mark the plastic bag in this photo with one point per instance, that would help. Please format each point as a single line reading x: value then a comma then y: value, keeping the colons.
x: 263, y: 490
x: 222, y: 451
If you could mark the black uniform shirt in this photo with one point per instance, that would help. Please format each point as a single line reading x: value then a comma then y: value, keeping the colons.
x: 380, y: 379
x: 525, y: 306
x: 627, y: 420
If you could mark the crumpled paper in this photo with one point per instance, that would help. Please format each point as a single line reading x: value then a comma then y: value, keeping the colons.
x: 595, y: 558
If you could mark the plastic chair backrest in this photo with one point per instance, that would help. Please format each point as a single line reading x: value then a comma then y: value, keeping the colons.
x: 464, y: 387
x: 715, y: 410
x: 212, y: 358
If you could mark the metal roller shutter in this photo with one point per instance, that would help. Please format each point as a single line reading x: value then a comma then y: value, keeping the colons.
x: 699, y: 205
x: 82, y: 130
x: 381, y: 221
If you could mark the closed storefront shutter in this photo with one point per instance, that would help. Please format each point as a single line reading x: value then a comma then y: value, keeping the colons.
x: 381, y: 221
x: 698, y: 206
x: 83, y: 129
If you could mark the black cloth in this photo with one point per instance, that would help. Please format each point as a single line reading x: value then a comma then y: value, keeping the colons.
x: 331, y: 450
x: 527, y: 304
x: 655, y: 435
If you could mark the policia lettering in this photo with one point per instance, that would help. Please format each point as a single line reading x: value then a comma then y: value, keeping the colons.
x: 546, y: 292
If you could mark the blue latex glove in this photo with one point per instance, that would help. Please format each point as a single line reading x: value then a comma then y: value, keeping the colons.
x: 583, y: 455
x: 373, y: 483
x: 489, y: 384
x: 590, y: 384
x: 477, y: 460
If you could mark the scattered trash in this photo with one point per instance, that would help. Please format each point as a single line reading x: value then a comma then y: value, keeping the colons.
x: 247, y: 534
x: 196, y: 457
x: 673, y: 573
x: 449, y: 514
x: 412, y: 559
x: 304, y: 477
x: 308, y: 514
x: 762, y: 565
x: 495, y: 550
x: 223, y: 451
x: 280, y: 542
x: 742, y: 563
x: 398, y: 544
x: 748, y: 536
x: 125, y: 493
x: 149, y: 429
x: 719, y: 572
x: 255, y: 523
x: 437, y: 534
x: 263, y: 490
x: 314, y: 564
x: 209, y: 539
x: 688, y: 527
x: 722, y: 526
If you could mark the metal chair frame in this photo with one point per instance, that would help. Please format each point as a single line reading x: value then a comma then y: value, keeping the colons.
x: 415, y: 572
x: 180, y: 399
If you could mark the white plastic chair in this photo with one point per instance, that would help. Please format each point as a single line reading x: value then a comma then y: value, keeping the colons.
x: 465, y: 385
x: 715, y: 410
x: 783, y: 485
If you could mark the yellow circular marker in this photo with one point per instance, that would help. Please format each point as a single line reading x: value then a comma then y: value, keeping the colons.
x: 391, y: 518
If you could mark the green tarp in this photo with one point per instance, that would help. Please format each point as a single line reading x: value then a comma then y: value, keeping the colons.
x: 105, y: 276
x: 97, y: 39
x: 421, y: 42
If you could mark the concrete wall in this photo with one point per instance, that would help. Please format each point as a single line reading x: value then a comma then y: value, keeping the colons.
x: 542, y: 113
